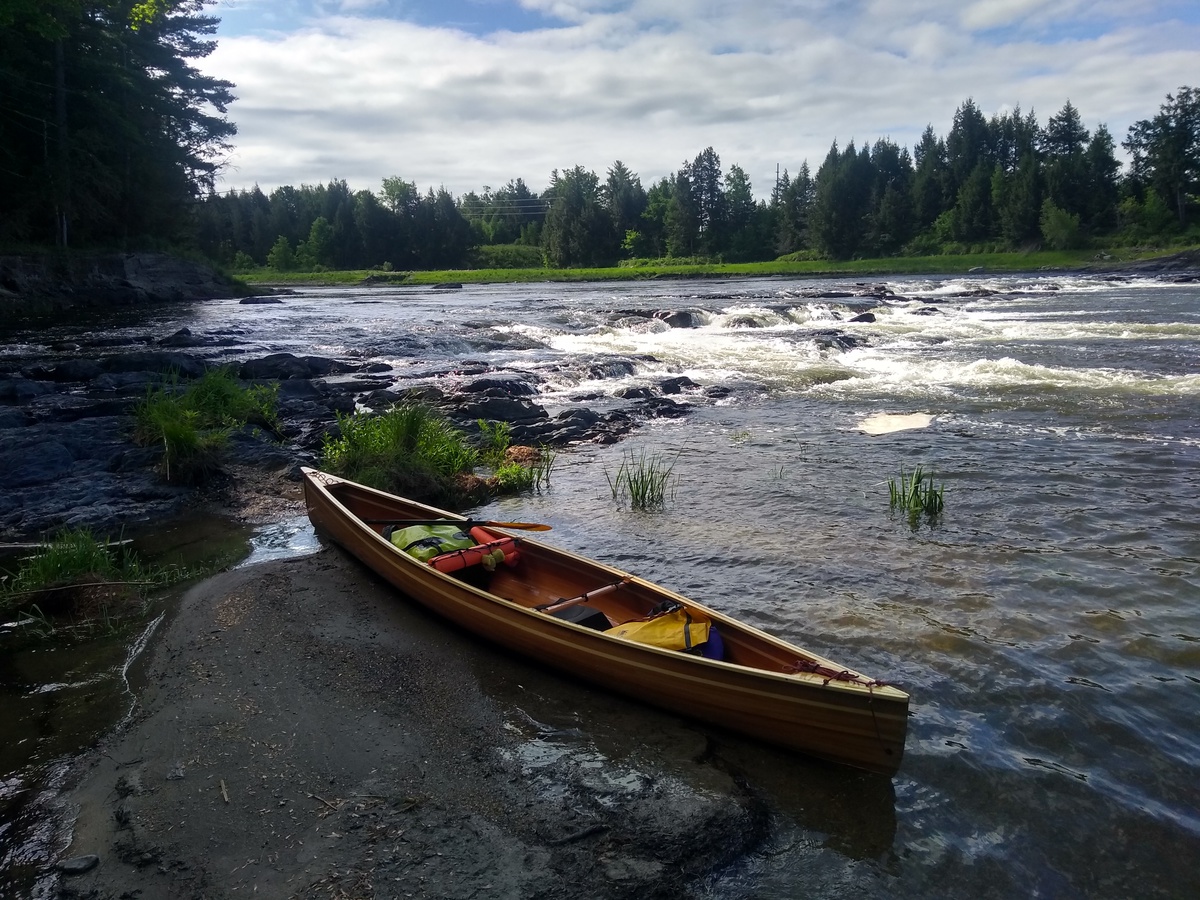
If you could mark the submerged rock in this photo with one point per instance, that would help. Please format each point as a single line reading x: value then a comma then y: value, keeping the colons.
x: 79, y: 865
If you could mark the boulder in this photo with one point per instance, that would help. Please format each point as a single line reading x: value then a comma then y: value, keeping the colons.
x: 18, y: 390
x: 635, y: 392
x: 41, y: 462
x: 663, y: 408
x: 79, y: 865
x: 182, y: 338
x: 498, y: 409
x: 279, y: 366
x: 676, y: 385
x: 611, y: 368
x: 164, y: 363
x: 67, y: 370
x: 500, y: 384
x: 683, y: 318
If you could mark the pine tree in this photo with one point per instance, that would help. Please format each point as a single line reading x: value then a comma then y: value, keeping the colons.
x: 110, y: 131
x: 1166, y: 150
x: 1063, y: 145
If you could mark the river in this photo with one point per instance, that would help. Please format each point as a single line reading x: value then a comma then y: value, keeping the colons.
x: 1047, y: 625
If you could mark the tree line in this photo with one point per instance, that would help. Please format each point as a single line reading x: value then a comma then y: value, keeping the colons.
x: 111, y: 137
x: 1005, y: 182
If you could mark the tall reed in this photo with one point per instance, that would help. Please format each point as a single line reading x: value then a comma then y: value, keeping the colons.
x: 644, y: 481
x: 915, y: 494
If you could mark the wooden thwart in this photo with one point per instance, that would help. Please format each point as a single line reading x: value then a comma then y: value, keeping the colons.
x: 563, y: 603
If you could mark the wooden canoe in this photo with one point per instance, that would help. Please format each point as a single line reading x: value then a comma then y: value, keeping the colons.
x: 762, y: 686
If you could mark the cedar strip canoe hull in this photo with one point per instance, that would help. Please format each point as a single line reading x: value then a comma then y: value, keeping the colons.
x: 756, y: 691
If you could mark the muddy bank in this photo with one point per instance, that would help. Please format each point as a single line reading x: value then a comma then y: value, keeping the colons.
x: 300, y: 731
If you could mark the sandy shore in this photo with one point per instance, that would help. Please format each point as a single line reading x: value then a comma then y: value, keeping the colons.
x: 301, y: 731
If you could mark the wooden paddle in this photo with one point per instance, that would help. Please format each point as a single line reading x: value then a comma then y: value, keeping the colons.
x: 464, y: 523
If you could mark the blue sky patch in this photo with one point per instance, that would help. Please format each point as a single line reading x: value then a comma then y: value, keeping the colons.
x: 477, y: 17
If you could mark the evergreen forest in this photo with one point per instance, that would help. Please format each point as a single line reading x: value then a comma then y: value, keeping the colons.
x: 109, y: 134
x: 111, y: 138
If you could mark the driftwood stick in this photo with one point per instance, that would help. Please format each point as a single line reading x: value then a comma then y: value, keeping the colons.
x: 323, y: 800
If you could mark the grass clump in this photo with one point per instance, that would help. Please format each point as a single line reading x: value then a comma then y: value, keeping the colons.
x: 219, y: 399
x: 81, y: 582
x: 495, y: 439
x: 515, y: 469
x: 528, y: 470
x: 193, y: 424
x: 644, y: 481
x: 412, y: 450
x: 915, y: 495
x: 409, y: 450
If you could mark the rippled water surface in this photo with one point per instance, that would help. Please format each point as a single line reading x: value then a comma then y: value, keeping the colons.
x: 1047, y: 627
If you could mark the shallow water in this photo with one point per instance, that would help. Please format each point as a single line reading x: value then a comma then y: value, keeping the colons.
x: 1047, y: 626
x: 57, y: 696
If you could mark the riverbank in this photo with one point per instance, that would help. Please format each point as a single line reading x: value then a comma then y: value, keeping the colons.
x: 300, y: 731
x: 1124, y: 260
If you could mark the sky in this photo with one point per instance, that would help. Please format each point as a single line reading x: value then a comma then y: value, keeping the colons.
x: 472, y: 94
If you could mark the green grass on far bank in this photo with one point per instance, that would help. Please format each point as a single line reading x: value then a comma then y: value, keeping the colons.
x: 915, y: 265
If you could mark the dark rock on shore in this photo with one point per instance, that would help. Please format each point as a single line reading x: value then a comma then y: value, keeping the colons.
x: 33, y: 285
x: 67, y: 431
x: 161, y: 363
x: 1183, y: 267
x: 500, y: 384
x: 498, y: 409
x: 281, y: 366
x: 81, y: 471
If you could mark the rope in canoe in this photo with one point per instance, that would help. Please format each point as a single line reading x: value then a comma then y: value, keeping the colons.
x: 811, y: 667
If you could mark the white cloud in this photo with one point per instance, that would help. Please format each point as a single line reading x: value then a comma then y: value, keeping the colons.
x: 653, y: 82
x: 1000, y: 13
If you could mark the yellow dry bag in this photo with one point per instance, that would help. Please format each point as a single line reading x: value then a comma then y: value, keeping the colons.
x: 674, y: 630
